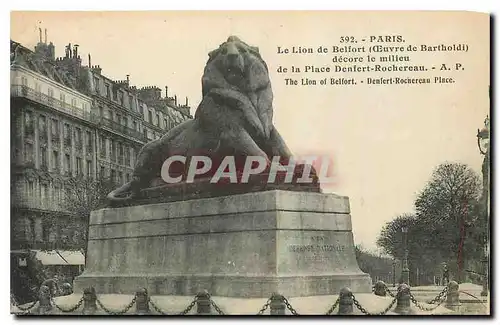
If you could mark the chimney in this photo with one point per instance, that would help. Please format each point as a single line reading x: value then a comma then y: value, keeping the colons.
x: 175, y: 100
x: 45, y: 35
x: 166, y: 91
x: 128, y: 79
x: 90, y: 61
x: 186, y: 101
x: 40, y: 30
x: 75, y: 54
x: 69, y: 51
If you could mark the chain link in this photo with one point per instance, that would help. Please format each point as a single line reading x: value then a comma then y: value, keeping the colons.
x: 264, y: 308
x: 366, y: 312
x: 330, y: 311
x: 189, y: 307
x: 69, y: 310
x: 18, y: 306
x: 389, y: 292
x: 217, y: 309
x: 155, y: 307
x: 120, y: 312
x: 439, y: 299
x: 290, y: 308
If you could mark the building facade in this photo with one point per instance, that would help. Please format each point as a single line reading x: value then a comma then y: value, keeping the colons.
x: 67, y: 121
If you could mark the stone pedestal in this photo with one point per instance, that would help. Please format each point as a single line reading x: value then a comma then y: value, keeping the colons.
x: 247, y: 245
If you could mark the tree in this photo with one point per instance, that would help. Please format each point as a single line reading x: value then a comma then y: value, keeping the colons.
x: 82, y: 196
x: 448, y: 211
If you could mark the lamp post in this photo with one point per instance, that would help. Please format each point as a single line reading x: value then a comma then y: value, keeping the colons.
x: 405, y: 273
x: 483, y: 142
x: 394, y: 272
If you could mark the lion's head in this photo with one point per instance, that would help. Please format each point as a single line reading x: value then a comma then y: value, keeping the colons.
x: 239, y: 67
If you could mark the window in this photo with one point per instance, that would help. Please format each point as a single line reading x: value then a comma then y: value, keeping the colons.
x: 73, y: 102
x: 150, y: 117
x: 131, y: 101
x: 125, y: 121
x: 78, y: 137
x: 97, y: 85
x: 103, y: 146
x: 28, y: 152
x: 145, y: 133
x: 113, y: 150
x: 110, y: 114
x: 119, y: 118
x: 103, y: 172
x: 84, y: 106
x: 120, y: 148
x: 101, y: 111
x: 55, y: 160
x: 24, y: 81
x: 67, y: 134
x: 120, y: 98
x: 135, y: 125
x: 42, y: 124
x: 38, y: 88
x: 30, y: 188
x: 120, y: 177
x: 89, y: 140
x: 78, y: 166
x: 127, y: 156
x: 89, y: 168
x: 43, y: 157
x: 67, y: 164
x: 113, y: 175
x: 108, y: 92
x: 50, y: 92
x: 62, y: 97
x: 55, y: 128
x: 165, y: 123
x: 157, y: 119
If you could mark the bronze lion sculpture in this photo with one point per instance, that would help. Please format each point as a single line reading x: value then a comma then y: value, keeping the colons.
x: 233, y: 118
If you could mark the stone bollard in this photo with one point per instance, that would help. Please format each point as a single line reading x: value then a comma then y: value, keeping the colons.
x: 203, y: 305
x: 403, y: 305
x: 89, y: 301
x: 277, y: 304
x: 453, y: 296
x: 142, y: 302
x: 44, y: 297
x: 380, y: 289
x: 345, y: 302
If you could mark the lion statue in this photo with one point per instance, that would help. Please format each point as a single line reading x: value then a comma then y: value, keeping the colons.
x: 233, y: 118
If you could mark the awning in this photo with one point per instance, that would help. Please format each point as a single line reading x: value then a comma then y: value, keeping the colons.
x: 57, y: 257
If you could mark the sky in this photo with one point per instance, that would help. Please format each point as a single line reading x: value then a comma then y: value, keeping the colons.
x: 385, y: 141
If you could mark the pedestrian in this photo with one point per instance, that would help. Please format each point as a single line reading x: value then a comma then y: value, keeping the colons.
x: 446, y: 275
x: 51, y: 283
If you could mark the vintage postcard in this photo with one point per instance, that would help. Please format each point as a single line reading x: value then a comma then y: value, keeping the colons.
x: 250, y: 163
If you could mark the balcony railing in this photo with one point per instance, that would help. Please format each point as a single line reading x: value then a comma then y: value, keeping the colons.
x: 122, y: 128
x: 27, y: 92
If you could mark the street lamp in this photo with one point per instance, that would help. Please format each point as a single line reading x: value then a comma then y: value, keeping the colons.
x: 483, y: 142
x: 405, y: 273
x: 394, y: 272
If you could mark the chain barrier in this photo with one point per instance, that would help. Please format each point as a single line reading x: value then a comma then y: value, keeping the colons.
x: 389, y: 292
x: 264, y: 308
x: 439, y: 299
x: 18, y: 306
x: 366, y: 312
x: 217, y: 309
x: 69, y: 310
x: 189, y: 307
x: 290, y: 308
x: 330, y: 311
x: 155, y: 307
x: 119, y: 312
